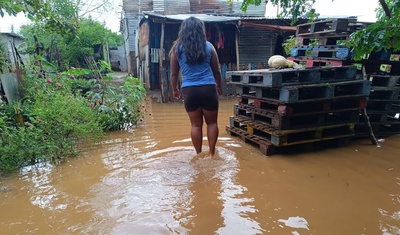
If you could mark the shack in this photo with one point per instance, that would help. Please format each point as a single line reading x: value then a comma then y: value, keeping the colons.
x: 241, y: 43
x: 243, y: 40
x: 132, y: 11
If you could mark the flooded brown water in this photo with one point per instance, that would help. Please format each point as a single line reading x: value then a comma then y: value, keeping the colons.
x: 146, y: 181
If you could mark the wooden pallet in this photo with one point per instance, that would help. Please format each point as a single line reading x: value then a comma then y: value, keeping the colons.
x: 332, y: 39
x: 374, y: 66
x: 382, y: 117
x: 322, y: 51
x: 268, y: 149
x: 306, y: 93
x: 310, y: 62
x: 305, y: 108
x: 330, y: 26
x: 264, y: 146
x: 379, y: 129
x: 284, y: 77
x: 376, y: 117
x: 279, y: 122
x: 384, y: 93
x: 292, y: 137
x: 388, y: 81
x: 384, y: 106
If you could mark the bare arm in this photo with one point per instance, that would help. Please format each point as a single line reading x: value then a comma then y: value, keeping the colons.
x: 174, y: 75
x: 216, y: 69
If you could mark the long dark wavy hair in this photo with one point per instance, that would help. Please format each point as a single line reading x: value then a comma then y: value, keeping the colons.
x: 192, y: 38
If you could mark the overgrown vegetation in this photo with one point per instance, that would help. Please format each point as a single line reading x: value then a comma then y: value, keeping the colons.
x: 60, y: 109
x: 64, y: 98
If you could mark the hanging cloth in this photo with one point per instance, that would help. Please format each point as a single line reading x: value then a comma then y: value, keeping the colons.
x: 220, y: 40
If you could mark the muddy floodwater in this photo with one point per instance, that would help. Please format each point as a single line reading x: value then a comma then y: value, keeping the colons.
x: 147, y: 181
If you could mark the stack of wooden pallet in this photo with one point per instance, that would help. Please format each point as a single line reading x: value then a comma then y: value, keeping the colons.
x: 288, y: 107
x: 323, y: 43
x: 383, y: 106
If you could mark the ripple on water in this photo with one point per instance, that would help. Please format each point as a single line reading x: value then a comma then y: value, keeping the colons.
x: 43, y: 192
x: 157, y: 194
x: 295, y: 222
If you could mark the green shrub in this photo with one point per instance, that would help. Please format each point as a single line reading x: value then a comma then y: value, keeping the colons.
x: 53, y: 120
x: 118, y: 107
x: 59, y: 110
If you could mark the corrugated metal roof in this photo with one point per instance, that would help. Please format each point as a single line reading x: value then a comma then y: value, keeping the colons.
x: 13, y: 35
x: 256, y: 45
x: 130, y: 24
x: 210, y: 6
x: 137, y: 6
x: 223, y: 7
x: 251, y: 9
x: 158, y: 5
x: 203, y: 17
x: 269, y: 27
x: 177, y: 6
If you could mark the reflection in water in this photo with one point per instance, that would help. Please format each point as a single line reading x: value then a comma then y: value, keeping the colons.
x: 218, y: 197
x: 164, y: 192
x: 295, y: 222
x: 44, y: 193
x: 146, y: 192
x: 390, y: 221
x: 387, y: 221
x: 149, y: 181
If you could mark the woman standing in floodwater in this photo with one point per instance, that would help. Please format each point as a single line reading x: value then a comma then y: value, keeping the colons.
x: 201, y: 80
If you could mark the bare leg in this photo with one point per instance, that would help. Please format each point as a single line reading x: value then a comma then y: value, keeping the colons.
x: 196, y: 120
x: 211, y: 118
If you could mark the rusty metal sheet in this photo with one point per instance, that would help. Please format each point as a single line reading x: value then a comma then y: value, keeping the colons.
x: 203, y: 17
x: 10, y: 85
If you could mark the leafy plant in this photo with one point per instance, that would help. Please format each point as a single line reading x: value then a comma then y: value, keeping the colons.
x: 288, y: 44
x: 46, y: 124
x: 56, y: 113
x: 384, y: 35
x: 118, y: 107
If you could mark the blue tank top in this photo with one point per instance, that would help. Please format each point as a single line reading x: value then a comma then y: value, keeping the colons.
x: 197, y: 74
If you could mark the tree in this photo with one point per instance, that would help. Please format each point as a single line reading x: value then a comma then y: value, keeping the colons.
x: 37, y: 11
x: 56, y: 15
x: 301, y: 8
x: 382, y: 36
x: 66, y: 49
x: 290, y: 8
x: 31, y: 8
x: 64, y: 42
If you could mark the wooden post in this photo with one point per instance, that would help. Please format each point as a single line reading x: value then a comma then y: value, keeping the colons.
x: 366, y: 118
x: 237, y: 50
x: 161, y: 55
x: 369, y: 128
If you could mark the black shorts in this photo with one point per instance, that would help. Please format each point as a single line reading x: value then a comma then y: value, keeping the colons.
x: 205, y: 97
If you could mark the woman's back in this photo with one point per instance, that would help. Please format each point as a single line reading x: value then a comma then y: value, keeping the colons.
x: 196, y: 74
